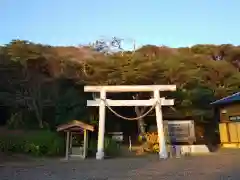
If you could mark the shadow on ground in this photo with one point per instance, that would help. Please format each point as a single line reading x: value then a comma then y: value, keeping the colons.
x: 215, y: 166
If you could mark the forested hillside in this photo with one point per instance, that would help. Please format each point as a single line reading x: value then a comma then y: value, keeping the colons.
x: 41, y: 85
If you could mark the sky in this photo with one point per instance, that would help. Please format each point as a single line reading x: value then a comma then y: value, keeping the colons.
x: 174, y: 23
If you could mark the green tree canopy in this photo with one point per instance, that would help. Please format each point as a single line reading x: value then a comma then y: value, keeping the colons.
x: 30, y: 75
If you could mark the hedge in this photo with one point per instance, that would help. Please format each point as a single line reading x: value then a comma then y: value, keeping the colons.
x: 36, y: 143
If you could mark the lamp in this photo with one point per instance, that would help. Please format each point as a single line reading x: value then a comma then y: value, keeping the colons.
x: 224, y: 111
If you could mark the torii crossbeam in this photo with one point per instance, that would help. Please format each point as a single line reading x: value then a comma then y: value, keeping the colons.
x: 157, y: 101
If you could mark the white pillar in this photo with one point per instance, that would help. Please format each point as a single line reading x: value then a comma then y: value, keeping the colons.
x: 162, y: 146
x: 101, y: 127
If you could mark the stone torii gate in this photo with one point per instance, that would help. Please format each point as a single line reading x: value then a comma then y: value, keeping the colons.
x: 155, y: 102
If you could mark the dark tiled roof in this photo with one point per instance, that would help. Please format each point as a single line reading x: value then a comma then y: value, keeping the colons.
x: 229, y: 99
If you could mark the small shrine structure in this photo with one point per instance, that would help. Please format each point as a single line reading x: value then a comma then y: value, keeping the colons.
x: 73, y: 129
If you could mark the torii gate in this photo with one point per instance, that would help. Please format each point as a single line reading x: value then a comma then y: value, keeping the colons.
x: 156, y: 102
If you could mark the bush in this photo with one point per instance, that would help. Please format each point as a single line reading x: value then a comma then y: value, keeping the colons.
x: 152, y: 143
x: 37, y: 143
x: 111, y: 147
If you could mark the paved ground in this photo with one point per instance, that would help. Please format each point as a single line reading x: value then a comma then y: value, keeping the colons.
x: 220, y: 166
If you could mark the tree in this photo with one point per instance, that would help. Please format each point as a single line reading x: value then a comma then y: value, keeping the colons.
x: 27, y: 81
x: 30, y: 75
x: 72, y: 102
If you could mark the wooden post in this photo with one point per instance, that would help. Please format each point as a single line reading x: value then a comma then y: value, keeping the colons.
x: 159, y: 118
x: 84, y: 143
x: 101, y: 127
x: 87, y: 143
x: 70, y: 142
x: 130, y: 143
x: 67, y: 145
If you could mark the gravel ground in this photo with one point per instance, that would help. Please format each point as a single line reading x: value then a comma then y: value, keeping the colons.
x: 218, y: 166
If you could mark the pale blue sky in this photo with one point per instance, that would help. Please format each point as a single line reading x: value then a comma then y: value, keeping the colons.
x: 162, y: 22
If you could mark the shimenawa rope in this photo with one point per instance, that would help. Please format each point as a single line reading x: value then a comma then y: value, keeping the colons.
x: 128, y: 118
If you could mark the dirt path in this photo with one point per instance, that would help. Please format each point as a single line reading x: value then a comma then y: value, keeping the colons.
x: 220, y: 166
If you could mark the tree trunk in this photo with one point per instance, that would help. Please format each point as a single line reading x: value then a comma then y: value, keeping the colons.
x: 141, y: 126
x: 139, y: 112
x: 39, y: 118
x: 141, y: 123
x: 38, y: 114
